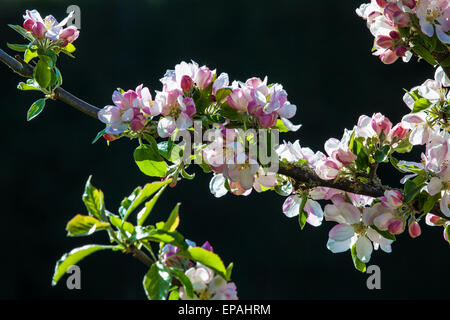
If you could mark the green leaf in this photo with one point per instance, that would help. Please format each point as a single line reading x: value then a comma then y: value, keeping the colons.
x: 59, y: 78
x: 122, y: 225
x: 99, y: 135
x: 17, y: 47
x: 70, y: 48
x: 359, y: 265
x: 84, y: 225
x: 384, y: 234
x: 185, y: 281
x: 284, y: 189
x: 94, y: 201
x: 207, y: 258
x: 358, y: 148
x: 404, y: 146
x: 29, y: 85
x: 22, y: 31
x: 430, y: 202
x: 29, y: 55
x: 157, y: 282
x: 381, y: 154
x: 74, y: 256
x: 137, y: 198
x: 221, y: 94
x: 35, y: 109
x: 303, y: 215
x: 229, y: 270
x: 158, y: 235
x: 411, y: 190
x: 229, y: 113
x: 421, y: 104
x: 42, y: 73
x: 149, y: 161
x: 143, y: 214
x: 170, y: 150
x: 280, y: 126
x: 172, y: 222
x: 174, y: 294
x: 425, y: 54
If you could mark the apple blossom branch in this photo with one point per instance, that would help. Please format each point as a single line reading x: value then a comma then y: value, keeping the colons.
x: 302, y: 175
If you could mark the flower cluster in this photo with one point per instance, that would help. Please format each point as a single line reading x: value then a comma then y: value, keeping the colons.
x: 264, y: 102
x: 235, y: 169
x: 49, y: 28
x: 131, y: 110
x: 206, y: 284
x: 192, y: 92
x: 384, y: 18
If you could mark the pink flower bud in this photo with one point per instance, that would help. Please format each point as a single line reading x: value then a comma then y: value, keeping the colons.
x: 39, y: 30
x: 388, y: 57
x: 384, y: 42
x: 109, y: 137
x: 381, y: 124
x: 400, y: 51
x: 414, y: 229
x: 434, y: 219
x: 396, y: 226
x: 187, y: 83
x: 203, y: 78
x: 382, y: 3
x: 28, y: 24
x: 207, y: 246
x: 394, y: 35
x: 399, y: 132
x: 410, y: 3
x: 344, y: 157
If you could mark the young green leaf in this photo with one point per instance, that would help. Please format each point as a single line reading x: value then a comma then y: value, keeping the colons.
x: 84, y: 225
x: 93, y: 200
x: 149, y: 161
x: 421, y: 105
x: 99, y: 135
x: 185, y: 281
x: 74, y: 256
x: 143, y: 214
x: 17, y: 47
x: 359, y: 265
x: 207, y: 258
x: 157, y: 282
x: 143, y: 194
x: 172, y: 222
x: 35, y: 109
x: 27, y: 35
x: 42, y: 73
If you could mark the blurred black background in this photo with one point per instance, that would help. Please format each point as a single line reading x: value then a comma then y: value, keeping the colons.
x: 319, y: 51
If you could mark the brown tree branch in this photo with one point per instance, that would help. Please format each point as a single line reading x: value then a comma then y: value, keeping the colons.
x: 301, y: 174
x: 25, y: 70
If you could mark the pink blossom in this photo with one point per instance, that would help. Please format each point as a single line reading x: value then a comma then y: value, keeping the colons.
x: 203, y: 77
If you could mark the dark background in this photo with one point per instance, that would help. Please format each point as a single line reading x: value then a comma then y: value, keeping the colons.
x: 319, y: 51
